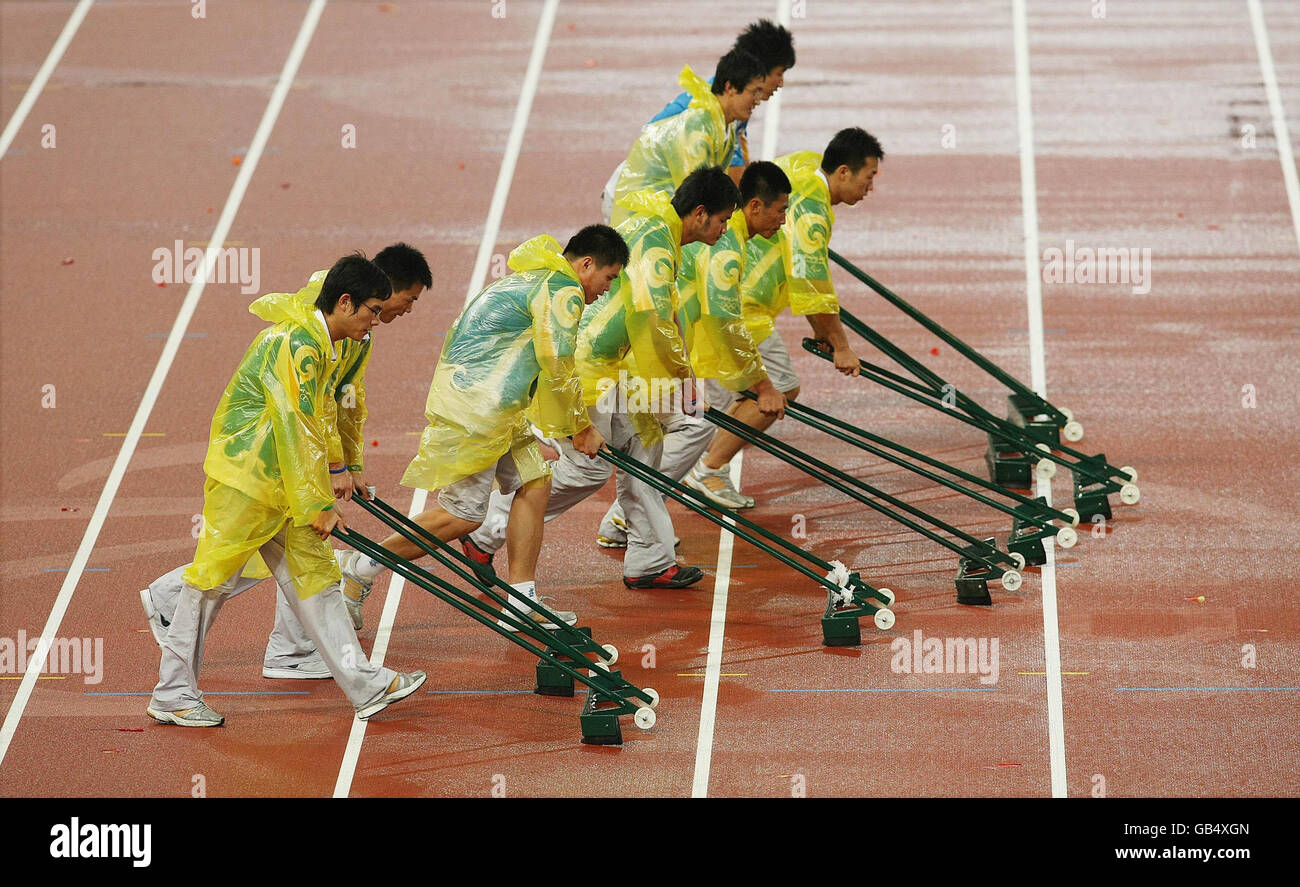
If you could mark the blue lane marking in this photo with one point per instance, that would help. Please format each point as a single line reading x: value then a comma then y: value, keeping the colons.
x: 1201, y: 689
x: 224, y: 692
x: 490, y: 692
x: 889, y: 690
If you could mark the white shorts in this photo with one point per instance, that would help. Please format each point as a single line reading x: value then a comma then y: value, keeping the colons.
x: 779, y: 369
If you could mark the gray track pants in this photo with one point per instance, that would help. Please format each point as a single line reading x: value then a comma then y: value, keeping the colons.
x: 322, y: 616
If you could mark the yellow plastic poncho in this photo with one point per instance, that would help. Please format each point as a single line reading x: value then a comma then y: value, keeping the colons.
x: 345, y: 412
x: 633, y: 326
x: 267, y: 455
x: 717, y: 339
x: 670, y: 149
x: 793, y: 268
x: 508, y: 359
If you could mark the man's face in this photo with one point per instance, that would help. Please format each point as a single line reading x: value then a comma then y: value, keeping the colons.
x: 739, y: 104
x: 766, y: 219
x: 356, y: 323
x: 855, y: 186
x: 595, y: 279
x: 775, y: 80
x: 708, y: 228
x: 400, y: 302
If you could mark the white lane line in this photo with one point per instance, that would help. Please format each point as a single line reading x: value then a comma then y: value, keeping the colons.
x: 713, y: 666
x: 348, y: 769
x: 1280, y: 131
x: 726, y: 541
x: 506, y: 175
x: 772, y: 113
x: 174, y: 339
x: 43, y: 75
x: 513, y: 144
x: 1038, y: 374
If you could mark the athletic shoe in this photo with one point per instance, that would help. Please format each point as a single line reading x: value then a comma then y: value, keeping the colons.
x: 674, y: 577
x: 716, y: 487
x: 356, y: 588
x: 406, y: 685
x: 200, y: 716
x: 157, y: 624
x: 482, y: 561
x: 565, y: 616
x: 620, y: 541
x: 311, y: 668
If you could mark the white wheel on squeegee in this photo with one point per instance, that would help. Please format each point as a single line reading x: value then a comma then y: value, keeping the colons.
x: 612, y: 651
x: 1073, y: 431
x: 1011, y: 580
x: 884, y: 619
x: 1066, y: 412
x: 1131, y: 472
x: 600, y: 664
x: 886, y: 595
x: 1019, y: 559
x: 654, y: 696
x: 644, y: 717
x: 1046, y: 469
x: 1066, y: 537
x: 1074, y: 516
x: 1129, y: 494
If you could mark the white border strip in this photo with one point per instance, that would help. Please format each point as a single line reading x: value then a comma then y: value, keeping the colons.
x: 713, y: 668
x: 1280, y: 131
x: 215, y: 243
x: 1038, y: 373
x: 772, y: 114
x: 506, y: 175
x: 43, y: 75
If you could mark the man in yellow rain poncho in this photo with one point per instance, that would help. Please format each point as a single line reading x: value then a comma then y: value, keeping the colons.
x: 723, y: 354
x: 702, y: 135
x: 507, y: 360
x: 268, y: 493
x: 629, y: 347
x: 290, y: 654
x: 794, y: 270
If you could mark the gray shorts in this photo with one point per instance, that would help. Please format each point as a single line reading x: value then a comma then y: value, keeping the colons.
x: 779, y: 369
x: 468, y: 497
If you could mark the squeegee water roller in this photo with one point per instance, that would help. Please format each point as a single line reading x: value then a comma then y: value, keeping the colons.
x: 610, y: 694
x: 1087, y: 470
x: 848, y: 596
x: 981, y: 552
x: 1024, y: 400
x: 1030, y: 512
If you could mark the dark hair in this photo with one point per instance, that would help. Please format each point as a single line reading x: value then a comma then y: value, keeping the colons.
x: 851, y: 147
x: 357, y: 276
x: 605, y: 245
x: 773, y: 44
x: 405, y: 267
x: 739, y: 68
x: 765, y: 180
x: 709, y: 187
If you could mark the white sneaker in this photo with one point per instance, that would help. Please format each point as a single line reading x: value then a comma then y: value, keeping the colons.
x: 310, y: 668
x: 716, y: 486
x: 406, y: 685
x: 156, y: 623
x: 356, y: 588
x: 199, y: 716
x: 567, y: 617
